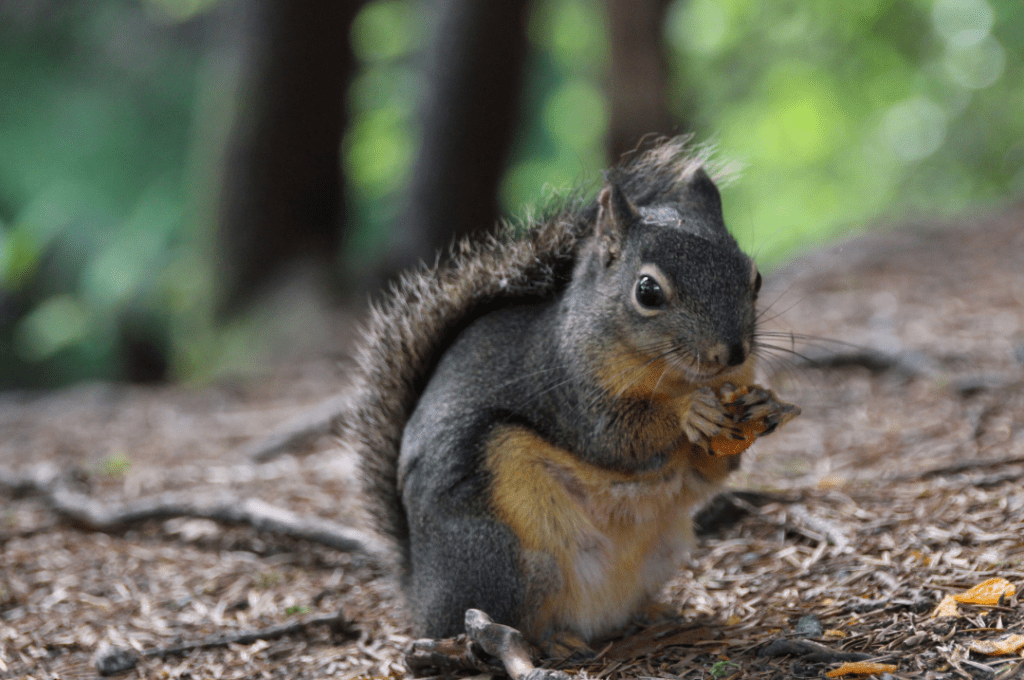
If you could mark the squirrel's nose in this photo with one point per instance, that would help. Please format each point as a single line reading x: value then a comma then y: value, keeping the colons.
x: 732, y: 355
x: 728, y: 355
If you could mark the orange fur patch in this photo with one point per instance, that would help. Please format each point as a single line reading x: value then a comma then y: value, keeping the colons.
x: 615, y: 537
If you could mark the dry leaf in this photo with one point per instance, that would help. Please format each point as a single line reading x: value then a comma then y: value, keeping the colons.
x: 947, y: 607
x: 861, y: 668
x: 1011, y: 644
x: 988, y: 592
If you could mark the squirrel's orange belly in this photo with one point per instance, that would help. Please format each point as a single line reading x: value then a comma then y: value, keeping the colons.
x: 605, y: 584
x: 611, y: 539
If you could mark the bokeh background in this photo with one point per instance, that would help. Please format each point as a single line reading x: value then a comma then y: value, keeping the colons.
x: 165, y: 165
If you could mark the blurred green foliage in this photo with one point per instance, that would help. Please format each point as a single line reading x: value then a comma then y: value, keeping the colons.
x: 847, y: 113
x: 94, y: 135
x: 379, y: 146
x: 843, y: 113
x: 115, y: 465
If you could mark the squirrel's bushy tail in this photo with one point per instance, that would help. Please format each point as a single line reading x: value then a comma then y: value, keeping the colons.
x: 409, y: 330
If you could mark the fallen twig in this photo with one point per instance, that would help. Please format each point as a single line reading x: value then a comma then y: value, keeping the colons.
x: 38, y: 479
x: 909, y: 364
x: 84, y: 511
x: 448, y: 656
x: 301, y: 430
x: 809, y: 652
x: 729, y: 507
x: 918, y: 603
x: 110, y: 660
x: 958, y: 467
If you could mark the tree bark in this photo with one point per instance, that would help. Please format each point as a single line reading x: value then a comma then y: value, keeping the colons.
x: 473, y: 82
x: 281, y: 196
x: 638, y: 79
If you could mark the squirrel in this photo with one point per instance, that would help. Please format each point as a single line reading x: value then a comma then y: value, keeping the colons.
x: 537, y: 417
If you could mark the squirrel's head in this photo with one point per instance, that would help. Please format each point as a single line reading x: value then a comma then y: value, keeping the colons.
x: 670, y: 285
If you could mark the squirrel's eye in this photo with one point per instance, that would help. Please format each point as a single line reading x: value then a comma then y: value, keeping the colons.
x: 757, y: 283
x: 649, y: 293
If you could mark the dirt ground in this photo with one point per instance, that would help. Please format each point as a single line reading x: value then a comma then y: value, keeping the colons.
x: 901, y: 483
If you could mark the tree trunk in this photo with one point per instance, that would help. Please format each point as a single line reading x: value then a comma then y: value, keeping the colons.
x: 638, y: 80
x: 473, y: 83
x: 281, y: 197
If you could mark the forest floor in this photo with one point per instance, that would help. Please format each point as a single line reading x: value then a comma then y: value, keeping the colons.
x: 901, y: 483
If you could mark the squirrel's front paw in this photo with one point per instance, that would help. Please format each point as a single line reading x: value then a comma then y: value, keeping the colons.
x: 755, y: 404
x: 705, y: 417
x: 756, y: 412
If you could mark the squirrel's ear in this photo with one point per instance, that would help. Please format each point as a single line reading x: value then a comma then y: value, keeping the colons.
x: 615, y: 216
x: 702, y: 194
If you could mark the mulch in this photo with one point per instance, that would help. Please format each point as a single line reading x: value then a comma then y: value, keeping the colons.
x: 901, y: 483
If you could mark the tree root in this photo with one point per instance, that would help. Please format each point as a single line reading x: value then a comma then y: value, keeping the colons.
x: 301, y: 430
x: 83, y: 511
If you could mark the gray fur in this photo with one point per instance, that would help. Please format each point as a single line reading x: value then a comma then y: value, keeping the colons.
x: 504, y: 331
x: 408, y: 331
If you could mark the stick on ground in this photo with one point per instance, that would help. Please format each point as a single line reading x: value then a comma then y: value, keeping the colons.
x: 82, y: 510
x: 110, y: 660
